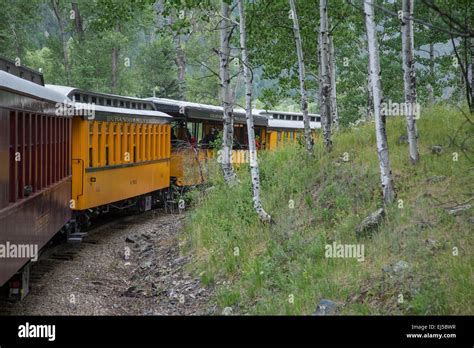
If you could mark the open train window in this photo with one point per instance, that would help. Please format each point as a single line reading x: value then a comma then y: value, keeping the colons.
x: 295, y: 118
x: 312, y: 119
x: 288, y: 117
x: 300, y: 118
x: 134, y: 106
x: 122, y: 104
x: 109, y: 102
x: 94, y: 100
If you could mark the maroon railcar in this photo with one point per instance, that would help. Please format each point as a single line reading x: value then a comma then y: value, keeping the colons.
x: 35, y: 175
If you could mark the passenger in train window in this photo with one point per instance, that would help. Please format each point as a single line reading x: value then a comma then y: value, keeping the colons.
x: 258, y: 145
x: 209, y: 139
x: 236, y: 145
x: 193, y: 141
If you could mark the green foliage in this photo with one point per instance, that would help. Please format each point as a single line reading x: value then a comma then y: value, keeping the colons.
x: 148, y: 37
x: 155, y: 61
x: 330, y: 198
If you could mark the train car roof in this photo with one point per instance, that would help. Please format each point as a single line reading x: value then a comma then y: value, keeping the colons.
x: 291, y: 124
x: 289, y: 120
x: 203, y: 111
x: 115, y: 104
x: 118, y: 110
x: 285, y: 112
x: 21, y: 71
x: 19, y: 85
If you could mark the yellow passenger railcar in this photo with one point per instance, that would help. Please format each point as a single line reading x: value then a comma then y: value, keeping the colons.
x: 286, y: 127
x: 195, y: 128
x: 121, y: 151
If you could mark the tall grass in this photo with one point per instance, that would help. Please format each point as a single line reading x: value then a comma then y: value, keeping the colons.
x: 282, y: 269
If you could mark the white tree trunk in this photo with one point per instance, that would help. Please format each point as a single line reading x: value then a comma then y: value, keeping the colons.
x: 325, y: 78
x: 409, y: 78
x: 472, y: 75
x: 370, y: 98
x: 380, y: 131
x: 301, y: 70
x: 429, y: 86
x: 248, y: 112
x: 226, y: 95
x: 332, y: 60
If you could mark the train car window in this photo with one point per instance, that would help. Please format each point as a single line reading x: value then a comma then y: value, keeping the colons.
x: 295, y: 118
x: 122, y: 103
x: 99, y: 158
x: 199, y: 132
x: 109, y: 102
x: 90, y: 157
x: 128, y: 105
x: 133, y: 106
x: 94, y: 100
x: 288, y: 117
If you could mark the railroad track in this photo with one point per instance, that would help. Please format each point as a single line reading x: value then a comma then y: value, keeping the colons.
x: 55, y: 255
x: 154, y: 280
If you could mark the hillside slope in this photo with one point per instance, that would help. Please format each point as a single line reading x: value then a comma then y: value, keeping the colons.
x: 282, y: 268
